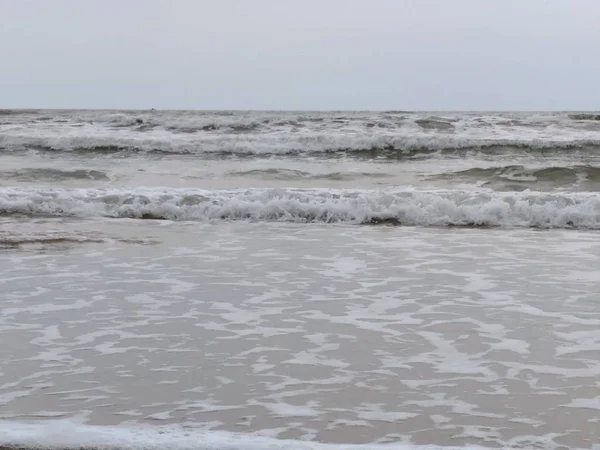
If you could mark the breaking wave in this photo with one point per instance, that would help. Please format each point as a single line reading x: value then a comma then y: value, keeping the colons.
x: 398, y: 207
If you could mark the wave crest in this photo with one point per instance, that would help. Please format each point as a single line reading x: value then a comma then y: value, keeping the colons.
x: 408, y: 207
x: 386, y: 146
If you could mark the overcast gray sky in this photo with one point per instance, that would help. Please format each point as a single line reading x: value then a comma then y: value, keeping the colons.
x: 302, y: 54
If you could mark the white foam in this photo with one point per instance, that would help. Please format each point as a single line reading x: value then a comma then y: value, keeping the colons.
x: 406, y: 207
x: 63, y: 434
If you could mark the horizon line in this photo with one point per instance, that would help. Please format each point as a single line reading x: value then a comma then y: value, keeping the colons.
x: 305, y: 110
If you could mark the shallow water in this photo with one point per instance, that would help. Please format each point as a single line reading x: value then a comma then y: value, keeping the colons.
x: 331, y: 333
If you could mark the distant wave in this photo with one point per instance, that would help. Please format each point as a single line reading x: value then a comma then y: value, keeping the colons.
x: 408, y: 207
x: 368, y: 134
x: 375, y: 146
x: 18, y: 112
x: 585, y: 116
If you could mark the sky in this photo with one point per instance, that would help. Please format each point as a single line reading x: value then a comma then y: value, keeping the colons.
x: 303, y: 54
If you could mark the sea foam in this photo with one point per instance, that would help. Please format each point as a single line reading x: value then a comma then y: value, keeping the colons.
x: 62, y: 434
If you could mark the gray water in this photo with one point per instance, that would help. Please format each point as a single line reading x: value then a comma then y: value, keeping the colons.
x: 170, y: 278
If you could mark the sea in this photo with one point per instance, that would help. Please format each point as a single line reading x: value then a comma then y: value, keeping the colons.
x: 195, y: 280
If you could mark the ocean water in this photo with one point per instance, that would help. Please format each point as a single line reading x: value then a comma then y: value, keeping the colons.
x: 299, y: 280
